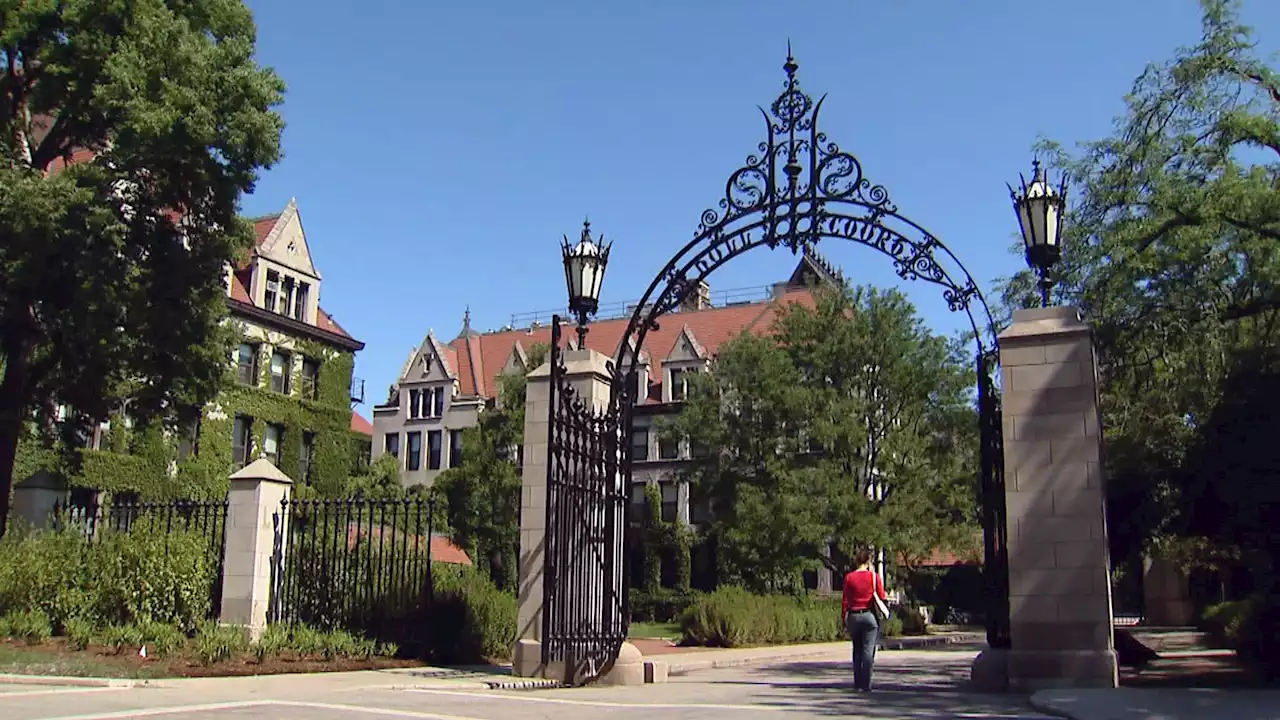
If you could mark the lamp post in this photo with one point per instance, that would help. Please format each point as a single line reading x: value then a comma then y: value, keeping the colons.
x: 1040, y: 208
x: 584, y: 266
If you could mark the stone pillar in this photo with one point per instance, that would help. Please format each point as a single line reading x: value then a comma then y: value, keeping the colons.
x: 1059, y: 582
x: 35, y: 496
x: 587, y: 371
x: 252, y: 505
x: 1166, y: 593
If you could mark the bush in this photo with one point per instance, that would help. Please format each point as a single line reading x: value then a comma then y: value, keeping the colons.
x: 30, y: 625
x: 145, y: 575
x: 117, y: 638
x: 218, y: 644
x: 910, y: 621
x: 1251, y: 627
x: 733, y: 617
x: 663, y: 606
x: 1225, y: 621
x: 79, y: 633
x: 471, y: 619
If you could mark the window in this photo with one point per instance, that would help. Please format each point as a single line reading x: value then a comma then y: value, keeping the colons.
x: 640, y: 444
x: 310, y: 379
x: 286, y: 297
x: 391, y: 444
x: 455, y: 448
x: 247, y: 364
x: 280, y: 366
x: 637, y: 503
x: 640, y: 388
x: 679, y: 386
x: 241, y: 441
x: 273, y: 290
x: 306, y: 455
x: 697, y: 449
x: 271, y: 441
x: 415, y: 407
x: 700, y: 511
x: 437, y: 402
x: 415, y: 451
x: 300, y: 301
x: 433, y: 450
x: 670, y: 498
x: 668, y: 447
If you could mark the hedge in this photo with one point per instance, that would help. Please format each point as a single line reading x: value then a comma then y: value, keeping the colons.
x: 733, y: 617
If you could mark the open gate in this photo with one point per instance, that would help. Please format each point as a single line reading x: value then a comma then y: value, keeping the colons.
x: 585, y: 621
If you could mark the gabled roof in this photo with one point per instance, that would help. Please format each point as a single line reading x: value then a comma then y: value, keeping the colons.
x: 360, y: 424
x: 268, y: 229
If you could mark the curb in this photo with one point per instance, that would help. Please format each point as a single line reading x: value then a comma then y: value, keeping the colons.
x: 18, y: 679
x: 683, y: 668
x: 1048, y: 708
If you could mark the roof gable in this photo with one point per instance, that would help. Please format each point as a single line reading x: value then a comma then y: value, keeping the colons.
x: 686, y: 348
x: 286, y: 243
x: 431, y: 362
x: 517, y: 360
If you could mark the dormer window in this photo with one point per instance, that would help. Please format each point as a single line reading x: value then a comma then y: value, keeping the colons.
x: 300, y: 301
x: 426, y: 403
x: 679, y: 384
x: 286, y: 296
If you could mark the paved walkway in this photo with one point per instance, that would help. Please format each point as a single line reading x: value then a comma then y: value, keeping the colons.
x: 1160, y: 704
x: 910, y: 684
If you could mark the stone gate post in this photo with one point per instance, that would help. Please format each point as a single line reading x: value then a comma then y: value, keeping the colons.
x: 1059, y: 567
x: 587, y: 371
x: 252, y: 504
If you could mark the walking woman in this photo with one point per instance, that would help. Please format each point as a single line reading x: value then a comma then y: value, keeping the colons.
x: 863, y: 589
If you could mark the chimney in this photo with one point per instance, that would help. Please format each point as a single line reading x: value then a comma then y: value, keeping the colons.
x: 699, y: 299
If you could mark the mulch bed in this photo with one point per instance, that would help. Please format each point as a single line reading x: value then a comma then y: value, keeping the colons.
x: 54, y: 657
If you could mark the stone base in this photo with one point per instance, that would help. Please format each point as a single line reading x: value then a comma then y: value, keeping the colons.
x: 628, y: 669
x: 251, y: 633
x: 526, y: 659
x: 656, y: 671
x: 990, y: 671
x: 1030, y: 671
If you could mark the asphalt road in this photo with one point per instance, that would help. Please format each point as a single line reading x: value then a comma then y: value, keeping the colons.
x: 909, y: 684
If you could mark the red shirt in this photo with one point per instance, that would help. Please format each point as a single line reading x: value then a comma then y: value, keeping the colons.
x: 858, y: 587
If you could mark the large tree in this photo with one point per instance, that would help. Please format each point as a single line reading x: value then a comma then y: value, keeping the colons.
x: 850, y: 425
x: 128, y: 132
x: 1172, y: 254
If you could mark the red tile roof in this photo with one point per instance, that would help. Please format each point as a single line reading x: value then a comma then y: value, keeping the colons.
x: 361, y: 425
x: 442, y: 549
x: 240, y: 279
x: 481, y: 357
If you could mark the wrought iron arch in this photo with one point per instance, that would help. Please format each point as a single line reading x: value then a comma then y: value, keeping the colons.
x: 797, y: 189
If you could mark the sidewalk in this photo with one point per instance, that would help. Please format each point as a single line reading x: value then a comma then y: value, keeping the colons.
x: 1159, y: 704
x: 707, y: 659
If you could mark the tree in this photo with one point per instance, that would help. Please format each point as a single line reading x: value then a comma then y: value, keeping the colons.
x: 852, y: 425
x: 128, y: 132
x: 483, y: 492
x: 1172, y: 254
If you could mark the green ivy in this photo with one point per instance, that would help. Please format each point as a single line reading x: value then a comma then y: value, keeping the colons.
x: 140, y: 460
x: 657, y: 538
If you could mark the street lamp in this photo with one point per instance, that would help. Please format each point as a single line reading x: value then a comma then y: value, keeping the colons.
x: 1040, y: 208
x: 584, y: 266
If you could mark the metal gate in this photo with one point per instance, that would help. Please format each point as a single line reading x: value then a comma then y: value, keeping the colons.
x: 995, y: 531
x: 585, y: 620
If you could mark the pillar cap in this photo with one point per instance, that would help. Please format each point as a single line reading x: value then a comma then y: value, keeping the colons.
x: 261, y: 469
x: 1038, y: 322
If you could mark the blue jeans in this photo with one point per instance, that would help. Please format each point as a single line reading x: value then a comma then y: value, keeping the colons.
x: 864, y: 629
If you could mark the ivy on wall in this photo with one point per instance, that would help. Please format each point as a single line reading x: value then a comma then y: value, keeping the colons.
x: 146, y: 460
x: 660, y: 538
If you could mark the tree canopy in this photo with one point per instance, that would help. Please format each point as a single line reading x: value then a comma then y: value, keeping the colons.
x: 852, y: 425
x: 128, y: 132
x: 1171, y: 252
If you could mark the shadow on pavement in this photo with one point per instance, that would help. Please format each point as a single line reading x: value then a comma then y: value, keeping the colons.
x: 914, y: 687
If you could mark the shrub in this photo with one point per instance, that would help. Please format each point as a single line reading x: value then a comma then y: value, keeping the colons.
x: 1251, y: 627
x: 30, y: 625
x: 274, y: 641
x: 161, y: 639
x: 79, y: 633
x: 910, y: 621
x: 662, y: 606
x: 1225, y: 621
x: 118, y: 637
x: 471, y: 619
x: 120, y: 578
x: 217, y: 644
x: 733, y: 617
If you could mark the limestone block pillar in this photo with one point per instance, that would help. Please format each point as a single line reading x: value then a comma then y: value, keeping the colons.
x: 252, y: 507
x: 587, y: 371
x: 1059, y: 581
x: 35, y: 497
x: 1166, y: 593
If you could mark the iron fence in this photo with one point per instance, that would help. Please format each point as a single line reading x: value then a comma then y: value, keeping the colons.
x: 206, y: 519
x: 363, y: 565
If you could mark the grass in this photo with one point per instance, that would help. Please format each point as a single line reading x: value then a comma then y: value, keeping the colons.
x: 667, y: 631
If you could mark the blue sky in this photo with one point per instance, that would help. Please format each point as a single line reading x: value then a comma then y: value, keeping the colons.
x: 439, y: 151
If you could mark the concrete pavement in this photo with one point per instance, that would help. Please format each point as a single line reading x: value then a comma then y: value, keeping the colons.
x: 910, y: 684
x: 1160, y: 704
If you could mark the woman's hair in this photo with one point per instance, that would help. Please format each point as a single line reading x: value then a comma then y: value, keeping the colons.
x: 861, y: 557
